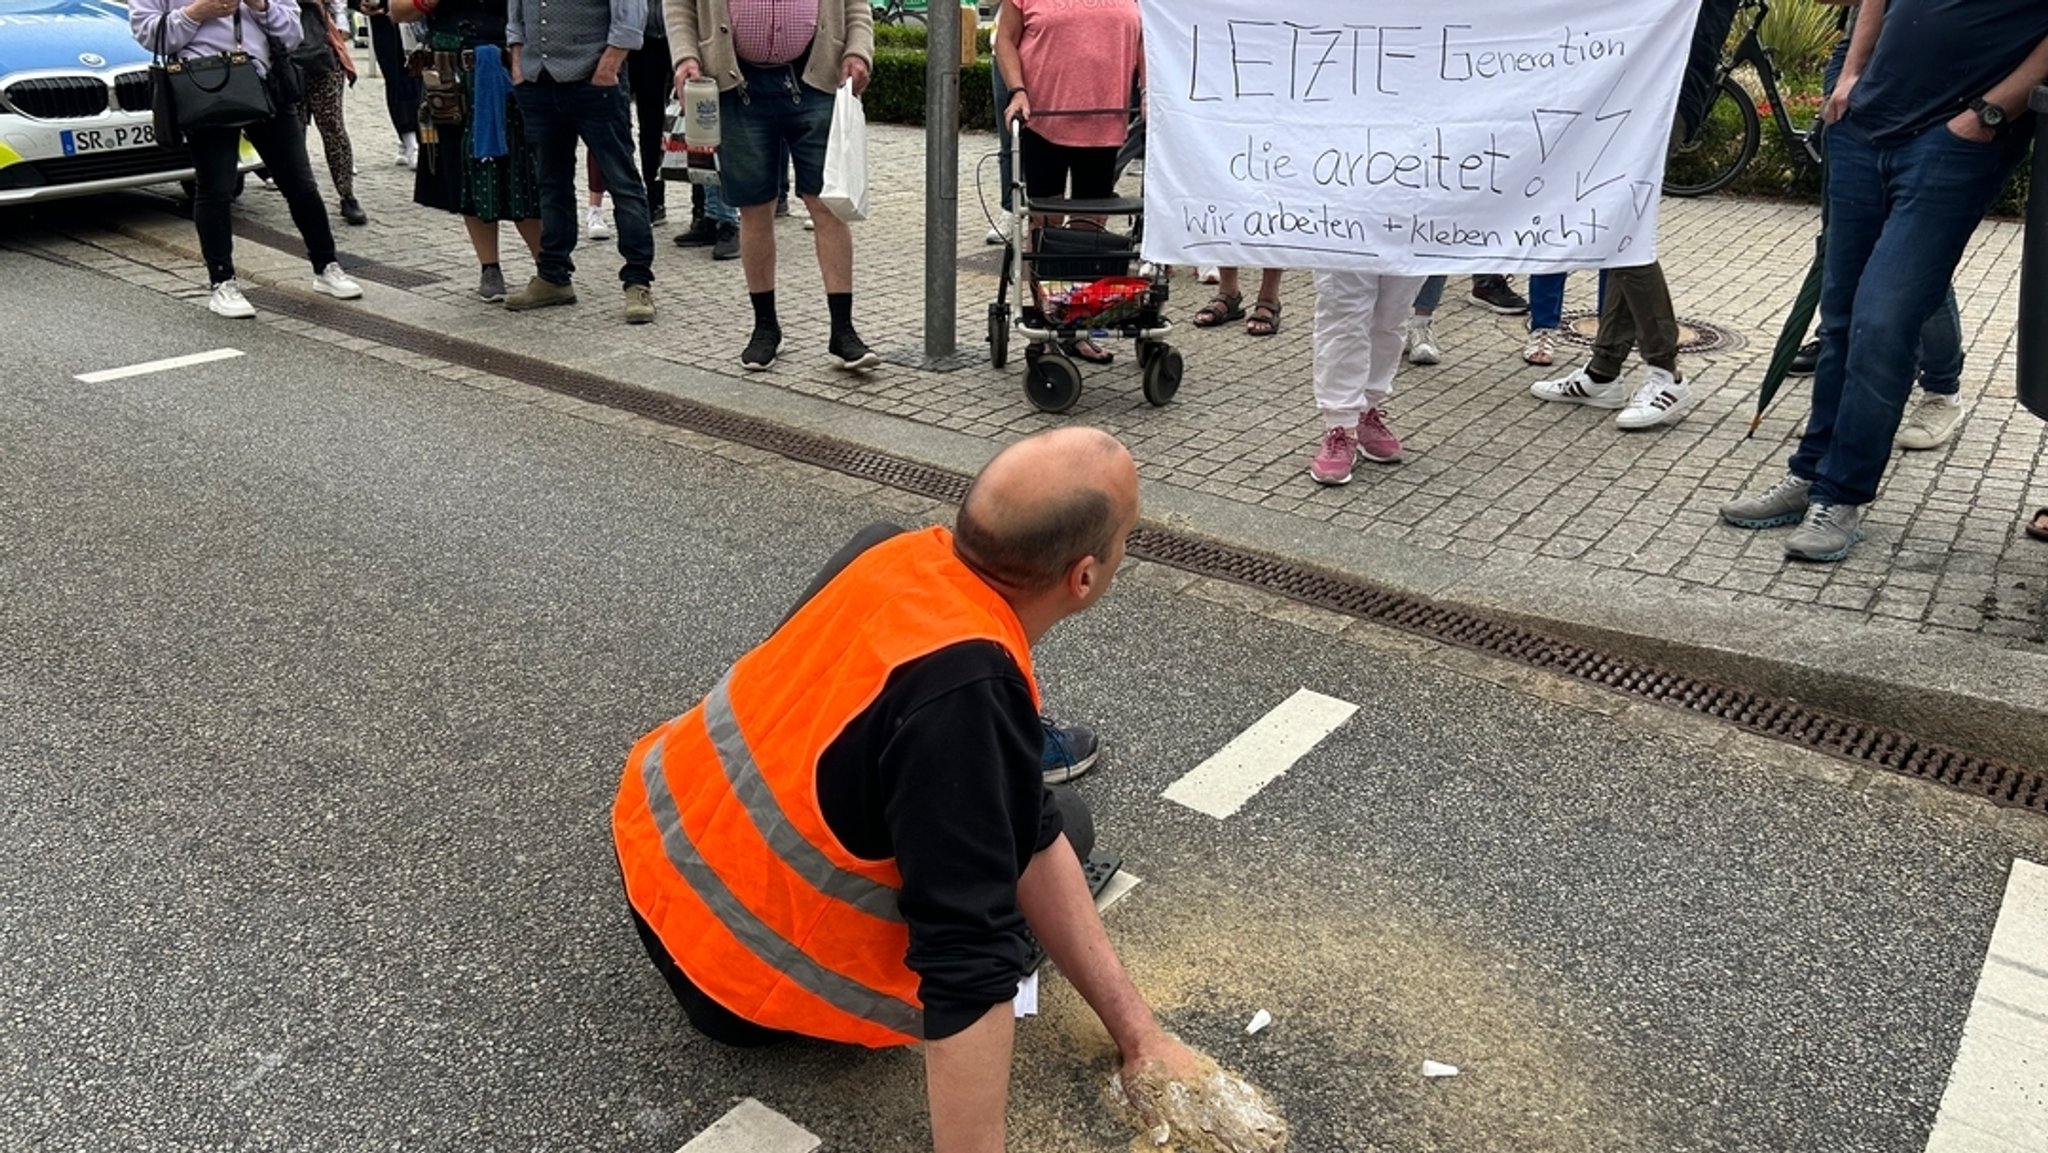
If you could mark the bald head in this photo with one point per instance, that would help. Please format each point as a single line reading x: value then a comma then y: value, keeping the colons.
x: 1046, y: 502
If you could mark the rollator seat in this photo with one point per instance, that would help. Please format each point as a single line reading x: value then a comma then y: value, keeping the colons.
x: 1113, y: 206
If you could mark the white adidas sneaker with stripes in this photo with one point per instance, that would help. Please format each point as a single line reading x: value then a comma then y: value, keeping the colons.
x: 1661, y: 399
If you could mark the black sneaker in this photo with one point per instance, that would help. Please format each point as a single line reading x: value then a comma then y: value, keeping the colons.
x: 727, y: 244
x: 1805, y: 360
x: 702, y: 232
x: 851, y: 353
x: 781, y: 206
x: 1497, y: 294
x: 352, y: 211
x: 760, y: 353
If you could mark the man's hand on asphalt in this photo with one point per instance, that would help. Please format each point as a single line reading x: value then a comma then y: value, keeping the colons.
x: 855, y: 69
x: 1177, y: 1095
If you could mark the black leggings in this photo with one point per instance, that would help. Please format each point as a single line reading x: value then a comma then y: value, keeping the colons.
x: 1047, y: 166
x: 401, y: 87
x: 650, y: 75
x: 216, y: 156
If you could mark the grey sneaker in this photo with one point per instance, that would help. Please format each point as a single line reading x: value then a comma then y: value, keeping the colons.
x: 1827, y: 534
x: 639, y: 304
x: 1783, y: 503
x: 1931, y: 423
x: 491, y: 285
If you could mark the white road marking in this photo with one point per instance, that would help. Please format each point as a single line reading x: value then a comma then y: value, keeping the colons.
x: 1118, y: 888
x: 106, y: 374
x: 752, y: 1127
x: 1222, y: 784
x: 1997, y: 1097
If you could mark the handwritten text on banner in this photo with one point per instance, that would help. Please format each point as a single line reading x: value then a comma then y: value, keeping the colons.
x: 1364, y: 135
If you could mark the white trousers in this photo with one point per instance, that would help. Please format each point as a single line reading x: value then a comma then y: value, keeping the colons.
x: 1360, y: 322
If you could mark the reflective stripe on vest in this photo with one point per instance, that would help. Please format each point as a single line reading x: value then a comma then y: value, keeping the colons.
x: 842, y: 993
x: 800, y: 855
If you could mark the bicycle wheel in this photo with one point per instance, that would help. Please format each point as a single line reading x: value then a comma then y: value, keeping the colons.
x: 1725, y: 144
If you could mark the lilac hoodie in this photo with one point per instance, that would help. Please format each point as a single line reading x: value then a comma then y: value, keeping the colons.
x: 184, y: 39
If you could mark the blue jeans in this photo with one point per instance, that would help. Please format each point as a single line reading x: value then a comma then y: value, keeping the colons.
x: 1898, y: 221
x: 1546, y: 301
x: 1430, y: 295
x: 556, y: 115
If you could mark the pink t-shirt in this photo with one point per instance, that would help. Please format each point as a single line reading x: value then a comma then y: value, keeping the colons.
x: 1078, y: 54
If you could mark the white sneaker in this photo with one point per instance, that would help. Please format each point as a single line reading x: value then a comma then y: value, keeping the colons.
x: 1661, y: 399
x: 1419, y: 344
x: 1931, y: 423
x: 228, y: 301
x: 1578, y: 388
x: 998, y: 233
x: 336, y: 283
x: 1209, y: 274
x: 409, y: 152
x: 596, y: 226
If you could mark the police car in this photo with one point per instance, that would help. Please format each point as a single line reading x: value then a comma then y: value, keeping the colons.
x: 74, y: 104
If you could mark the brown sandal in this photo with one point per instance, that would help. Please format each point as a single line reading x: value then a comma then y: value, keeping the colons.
x: 1265, y: 318
x: 1226, y: 307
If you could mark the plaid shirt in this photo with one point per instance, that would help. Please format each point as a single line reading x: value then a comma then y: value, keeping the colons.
x: 772, y: 31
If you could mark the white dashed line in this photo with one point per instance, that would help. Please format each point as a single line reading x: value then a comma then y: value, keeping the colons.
x: 1997, y: 1098
x: 752, y: 1127
x: 1222, y: 784
x: 106, y: 374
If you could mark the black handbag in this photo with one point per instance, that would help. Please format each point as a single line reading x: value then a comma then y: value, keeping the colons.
x: 163, y: 106
x: 221, y: 91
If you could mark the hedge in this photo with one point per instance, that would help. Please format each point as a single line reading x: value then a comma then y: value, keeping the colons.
x: 896, y: 94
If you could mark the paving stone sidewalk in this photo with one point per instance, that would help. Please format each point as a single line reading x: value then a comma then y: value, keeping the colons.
x: 1492, y: 475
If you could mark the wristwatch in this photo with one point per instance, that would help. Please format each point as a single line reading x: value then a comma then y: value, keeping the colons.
x: 1992, y: 116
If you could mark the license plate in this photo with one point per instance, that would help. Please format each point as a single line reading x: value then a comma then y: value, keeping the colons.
x: 78, y: 141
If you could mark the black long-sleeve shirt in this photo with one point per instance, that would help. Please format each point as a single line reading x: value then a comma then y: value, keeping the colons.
x: 941, y: 772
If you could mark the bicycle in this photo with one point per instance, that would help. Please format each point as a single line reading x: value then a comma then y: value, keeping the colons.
x: 900, y: 11
x: 1721, y: 148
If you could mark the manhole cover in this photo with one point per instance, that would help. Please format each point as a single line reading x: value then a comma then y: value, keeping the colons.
x: 1694, y: 336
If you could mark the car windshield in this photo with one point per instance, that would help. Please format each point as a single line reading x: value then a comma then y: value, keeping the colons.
x: 60, y: 8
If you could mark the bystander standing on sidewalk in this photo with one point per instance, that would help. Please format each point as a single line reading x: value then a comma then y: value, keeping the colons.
x: 1638, y: 314
x: 1228, y: 303
x: 210, y: 28
x: 1491, y: 291
x: 478, y: 163
x: 401, y: 87
x: 1358, y: 348
x: 1546, y: 318
x: 777, y: 66
x: 329, y: 74
x: 1925, y: 127
x: 567, y: 57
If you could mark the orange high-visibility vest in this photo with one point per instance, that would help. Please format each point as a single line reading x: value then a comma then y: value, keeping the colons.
x: 725, y: 851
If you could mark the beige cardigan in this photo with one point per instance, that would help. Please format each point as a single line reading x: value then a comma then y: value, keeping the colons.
x: 702, y: 29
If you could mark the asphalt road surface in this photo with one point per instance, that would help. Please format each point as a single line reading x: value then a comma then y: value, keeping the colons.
x: 316, y: 676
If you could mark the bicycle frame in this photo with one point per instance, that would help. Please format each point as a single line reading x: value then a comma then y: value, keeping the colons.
x: 1803, y: 146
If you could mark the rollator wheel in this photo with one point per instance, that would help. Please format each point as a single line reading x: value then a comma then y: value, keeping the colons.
x: 1162, y: 375
x: 998, y: 335
x: 1053, y: 383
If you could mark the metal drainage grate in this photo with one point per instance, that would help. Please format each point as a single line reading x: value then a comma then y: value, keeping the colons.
x: 2004, y: 783
x: 360, y: 267
x: 1694, y: 336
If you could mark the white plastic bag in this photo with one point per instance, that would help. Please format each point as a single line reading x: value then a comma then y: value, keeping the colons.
x: 846, y: 158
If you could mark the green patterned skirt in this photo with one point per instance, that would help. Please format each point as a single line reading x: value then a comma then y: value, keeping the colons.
x: 450, y: 176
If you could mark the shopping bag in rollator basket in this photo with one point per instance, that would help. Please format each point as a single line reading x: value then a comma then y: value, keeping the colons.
x: 846, y: 158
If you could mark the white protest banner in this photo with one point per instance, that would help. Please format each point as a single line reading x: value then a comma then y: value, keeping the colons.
x: 1388, y: 136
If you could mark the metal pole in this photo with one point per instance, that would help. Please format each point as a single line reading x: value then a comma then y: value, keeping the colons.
x: 941, y: 177
x: 2033, y: 384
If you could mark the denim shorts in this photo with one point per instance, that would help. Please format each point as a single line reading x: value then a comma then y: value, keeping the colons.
x: 773, y: 114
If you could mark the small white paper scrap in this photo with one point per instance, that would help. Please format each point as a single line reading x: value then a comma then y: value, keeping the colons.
x: 1438, y: 1069
x: 1259, y: 1020
x: 1026, y: 1002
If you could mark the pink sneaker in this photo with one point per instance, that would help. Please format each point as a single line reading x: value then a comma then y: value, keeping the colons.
x: 1377, y: 442
x: 1332, y: 464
